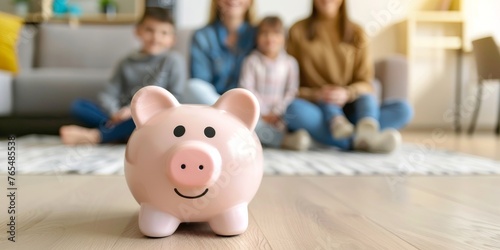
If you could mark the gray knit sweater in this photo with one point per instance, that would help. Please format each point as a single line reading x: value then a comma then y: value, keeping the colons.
x: 167, y: 70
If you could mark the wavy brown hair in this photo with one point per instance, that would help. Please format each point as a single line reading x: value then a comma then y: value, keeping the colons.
x: 347, y: 29
x: 216, y: 15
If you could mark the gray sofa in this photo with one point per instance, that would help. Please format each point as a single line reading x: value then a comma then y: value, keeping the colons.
x: 60, y: 63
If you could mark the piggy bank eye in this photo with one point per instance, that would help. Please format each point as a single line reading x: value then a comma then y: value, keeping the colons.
x: 209, y: 132
x: 179, y: 131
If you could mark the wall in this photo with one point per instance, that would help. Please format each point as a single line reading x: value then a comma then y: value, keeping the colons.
x: 194, y: 13
x: 6, y: 6
x: 483, y: 18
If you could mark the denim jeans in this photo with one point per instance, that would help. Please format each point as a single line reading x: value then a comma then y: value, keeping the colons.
x: 315, y: 118
x: 269, y: 135
x: 364, y: 106
x: 92, y: 116
x: 199, y: 92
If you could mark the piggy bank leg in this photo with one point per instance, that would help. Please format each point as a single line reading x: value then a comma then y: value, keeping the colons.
x: 155, y: 223
x: 234, y: 221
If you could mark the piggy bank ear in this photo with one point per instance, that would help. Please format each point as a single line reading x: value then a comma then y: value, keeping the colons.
x: 241, y: 103
x: 149, y: 101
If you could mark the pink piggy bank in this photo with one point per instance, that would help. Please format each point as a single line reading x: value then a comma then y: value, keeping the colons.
x: 193, y: 163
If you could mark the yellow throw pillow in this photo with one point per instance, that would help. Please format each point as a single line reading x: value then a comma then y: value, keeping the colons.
x: 10, y: 27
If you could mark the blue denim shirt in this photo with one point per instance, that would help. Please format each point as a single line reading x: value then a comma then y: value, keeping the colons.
x: 212, y: 61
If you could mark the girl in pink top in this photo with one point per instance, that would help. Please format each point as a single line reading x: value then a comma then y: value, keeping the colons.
x: 273, y: 76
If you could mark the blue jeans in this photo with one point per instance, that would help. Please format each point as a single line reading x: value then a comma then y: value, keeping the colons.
x: 364, y: 106
x: 199, y: 92
x: 268, y: 135
x: 315, y: 118
x: 93, y: 116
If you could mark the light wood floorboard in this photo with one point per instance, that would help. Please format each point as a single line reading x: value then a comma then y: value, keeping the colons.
x: 98, y: 212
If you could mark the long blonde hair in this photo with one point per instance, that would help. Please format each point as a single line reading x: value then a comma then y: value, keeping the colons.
x: 216, y: 15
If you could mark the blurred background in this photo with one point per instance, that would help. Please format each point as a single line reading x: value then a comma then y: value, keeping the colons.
x: 67, y: 49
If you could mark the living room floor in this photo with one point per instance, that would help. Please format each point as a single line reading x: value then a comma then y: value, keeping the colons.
x: 482, y: 143
x: 384, y: 212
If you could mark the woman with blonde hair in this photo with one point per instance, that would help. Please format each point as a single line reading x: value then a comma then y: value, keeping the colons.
x: 337, y: 105
x: 219, y: 49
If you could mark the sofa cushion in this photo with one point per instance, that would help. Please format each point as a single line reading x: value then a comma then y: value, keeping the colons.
x: 84, y: 46
x: 377, y: 89
x: 5, y: 93
x: 183, y: 43
x: 51, y: 91
x: 392, y: 72
x: 10, y: 27
x: 26, y: 47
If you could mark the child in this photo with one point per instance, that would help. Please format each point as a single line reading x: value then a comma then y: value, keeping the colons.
x: 273, y: 76
x: 154, y: 64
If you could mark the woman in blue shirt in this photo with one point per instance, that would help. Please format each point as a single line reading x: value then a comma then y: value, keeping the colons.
x: 219, y: 49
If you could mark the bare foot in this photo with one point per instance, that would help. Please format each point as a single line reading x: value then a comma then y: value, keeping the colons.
x: 76, y: 135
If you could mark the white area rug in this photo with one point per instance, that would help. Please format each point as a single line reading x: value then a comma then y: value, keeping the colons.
x: 46, y: 155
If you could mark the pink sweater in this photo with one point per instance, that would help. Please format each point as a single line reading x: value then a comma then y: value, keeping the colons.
x: 275, y: 82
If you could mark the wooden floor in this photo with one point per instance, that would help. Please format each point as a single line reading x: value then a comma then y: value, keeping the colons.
x: 92, y: 212
x: 482, y: 143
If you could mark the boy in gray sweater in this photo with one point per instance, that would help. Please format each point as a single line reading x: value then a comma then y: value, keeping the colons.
x: 154, y: 64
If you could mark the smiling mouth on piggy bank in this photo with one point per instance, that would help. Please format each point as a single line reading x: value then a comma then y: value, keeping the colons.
x: 191, y: 197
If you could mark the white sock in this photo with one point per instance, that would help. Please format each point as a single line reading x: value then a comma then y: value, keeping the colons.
x: 299, y: 140
x: 341, y: 128
x: 369, y: 139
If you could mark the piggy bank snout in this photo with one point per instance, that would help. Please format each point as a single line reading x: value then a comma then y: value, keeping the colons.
x: 194, y: 165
